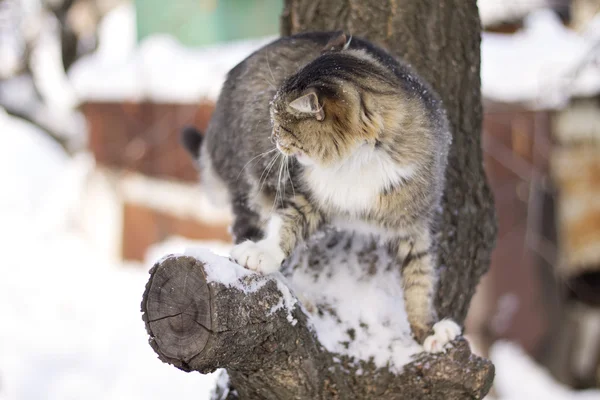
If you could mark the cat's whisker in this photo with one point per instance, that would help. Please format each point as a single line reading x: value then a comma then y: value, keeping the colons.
x: 279, y: 183
x: 270, y: 84
x: 271, y: 72
x: 267, y: 171
x: 254, y: 158
x: 268, y: 167
x: 287, y: 167
x: 278, y: 190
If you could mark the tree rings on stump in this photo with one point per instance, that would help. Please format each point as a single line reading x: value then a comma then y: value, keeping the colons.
x: 176, y: 309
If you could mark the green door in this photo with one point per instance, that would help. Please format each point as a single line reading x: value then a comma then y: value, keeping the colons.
x: 204, y: 22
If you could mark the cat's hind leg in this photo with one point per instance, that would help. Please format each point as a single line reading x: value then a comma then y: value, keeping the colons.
x: 246, y: 225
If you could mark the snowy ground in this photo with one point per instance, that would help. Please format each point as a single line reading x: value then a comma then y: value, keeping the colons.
x: 71, y: 326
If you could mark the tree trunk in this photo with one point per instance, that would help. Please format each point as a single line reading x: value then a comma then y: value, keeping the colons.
x: 254, y: 327
x: 440, y: 39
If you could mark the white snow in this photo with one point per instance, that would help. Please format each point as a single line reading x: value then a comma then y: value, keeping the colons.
x: 26, y: 22
x: 345, y: 300
x: 71, y: 324
x: 23, y: 144
x: 497, y: 11
x: 47, y: 68
x: 519, y: 378
x: 179, y: 199
x: 289, y: 301
x: 223, y: 385
x: 159, y: 69
x: 18, y: 93
x: 12, y: 45
x: 544, y: 64
x: 221, y: 269
x: 117, y: 34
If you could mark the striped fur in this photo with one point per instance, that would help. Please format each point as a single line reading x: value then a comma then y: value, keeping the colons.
x: 314, y: 130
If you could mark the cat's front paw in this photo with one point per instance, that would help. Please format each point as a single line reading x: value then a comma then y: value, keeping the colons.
x: 444, y: 332
x: 263, y: 257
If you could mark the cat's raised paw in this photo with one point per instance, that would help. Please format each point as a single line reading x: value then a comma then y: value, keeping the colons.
x: 444, y: 332
x: 262, y: 256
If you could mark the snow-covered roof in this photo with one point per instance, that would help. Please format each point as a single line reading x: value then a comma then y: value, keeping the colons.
x: 497, y: 11
x: 159, y: 69
x: 543, y: 64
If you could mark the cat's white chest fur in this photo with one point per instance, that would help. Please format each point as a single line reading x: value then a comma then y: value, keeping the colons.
x: 354, y: 185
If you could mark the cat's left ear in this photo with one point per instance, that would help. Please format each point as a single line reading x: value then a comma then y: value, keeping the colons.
x: 339, y: 41
x: 309, y: 104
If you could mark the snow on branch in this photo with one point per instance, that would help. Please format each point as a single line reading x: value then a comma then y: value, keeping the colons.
x: 348, y: 335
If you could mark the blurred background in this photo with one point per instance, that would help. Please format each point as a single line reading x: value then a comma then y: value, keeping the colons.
x: 95, y: 187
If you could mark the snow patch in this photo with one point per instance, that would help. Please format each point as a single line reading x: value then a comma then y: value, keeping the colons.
x: 71, y: 327
x: 222, y: 270
x: 222, y: 387
x: 288, y: 300
x: 117, y: 33
x: 518, y: 377
x: 545, y: 64
x: 498, y: 11
x: 48, y: 70
x: 187, y: 201
x: 356, y: 311
x: 160, y: 69
x: 40, y: 182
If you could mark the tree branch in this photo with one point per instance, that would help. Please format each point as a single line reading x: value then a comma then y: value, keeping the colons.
x: 270, y: 351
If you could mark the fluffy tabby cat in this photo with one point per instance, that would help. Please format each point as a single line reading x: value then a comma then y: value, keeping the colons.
x: 318, y: 129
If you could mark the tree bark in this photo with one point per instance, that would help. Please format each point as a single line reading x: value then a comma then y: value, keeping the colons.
x: 199, y: 325
x: 440, y: 39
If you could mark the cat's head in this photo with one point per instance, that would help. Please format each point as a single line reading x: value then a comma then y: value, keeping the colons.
x: 326, y: 110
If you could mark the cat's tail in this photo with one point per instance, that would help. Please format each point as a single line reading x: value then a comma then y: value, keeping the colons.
x: 191, y: 140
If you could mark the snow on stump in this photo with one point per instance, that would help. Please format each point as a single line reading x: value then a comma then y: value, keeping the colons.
x: 345, y: 338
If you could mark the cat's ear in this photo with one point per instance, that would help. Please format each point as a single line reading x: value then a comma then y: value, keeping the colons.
x: 339, y: 41
x: 309, y: 104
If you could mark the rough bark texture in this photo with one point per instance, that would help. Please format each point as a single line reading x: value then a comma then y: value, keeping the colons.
x: 199, y: 325
x: 441, y: 40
